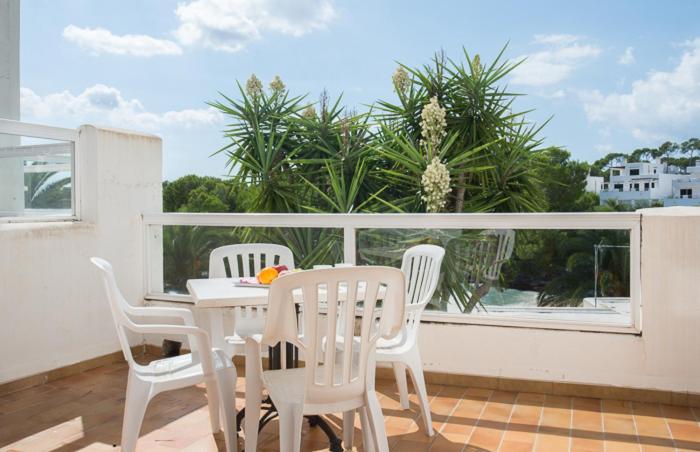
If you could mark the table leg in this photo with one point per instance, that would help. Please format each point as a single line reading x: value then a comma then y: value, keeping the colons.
x: 217, y: 330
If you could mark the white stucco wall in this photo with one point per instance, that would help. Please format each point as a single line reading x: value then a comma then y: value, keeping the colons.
x: 664, y: 357
x: 11, y: 171
x: 52, y: 304
x: 9, y: 59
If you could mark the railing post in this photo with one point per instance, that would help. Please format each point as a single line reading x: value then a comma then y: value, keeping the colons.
x: 349, y: 246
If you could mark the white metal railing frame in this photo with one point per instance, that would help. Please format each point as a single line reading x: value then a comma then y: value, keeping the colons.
x: 18, y: 128
x: 349, y: 223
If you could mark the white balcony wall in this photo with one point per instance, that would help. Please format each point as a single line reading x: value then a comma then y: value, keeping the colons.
x: 11, y: 171
x: 52, y: 304
x: 663, y: 357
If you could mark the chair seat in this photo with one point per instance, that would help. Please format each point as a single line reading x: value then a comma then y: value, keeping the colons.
x: 177, y: 368
x: 287, y: 386
x: 381, y: 342
x: 237, y: 339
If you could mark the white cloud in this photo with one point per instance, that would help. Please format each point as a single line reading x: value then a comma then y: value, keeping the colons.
x: 558, y: 94
x: 105, y: 105
x: 557, y: 63
x: 99, y: 40
x: 229, y: 25
x: 557, y: 39
x: 661, y: 106
x: 604, y: 148
x: 627, y: 58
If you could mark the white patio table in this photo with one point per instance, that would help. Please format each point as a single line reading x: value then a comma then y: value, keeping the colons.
x: 217, y: 294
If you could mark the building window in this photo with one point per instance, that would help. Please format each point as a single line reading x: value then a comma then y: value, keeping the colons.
x: 653, y: 185
x: 617, y: 187
x: 634, y: 172
x: 636, y: 187
x: 654, y: 170
x: 37, y: 165
x: 686, y: 192
x: 646, y: 186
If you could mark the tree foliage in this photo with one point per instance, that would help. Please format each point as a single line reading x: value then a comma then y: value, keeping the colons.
x: 682, y: 155
x: 287, y: 153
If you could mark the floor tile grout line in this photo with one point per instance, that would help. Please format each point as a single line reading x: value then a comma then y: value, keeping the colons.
x: 602, y: 424
x: 510, y: 416
x: 634, y: 424
x: 481, y: 413
x: 539, y: 425
x: 668, y: 427
x: 695, y: 416
x: 571, y: 421
x: 419, y: 418
x: 447, y: 419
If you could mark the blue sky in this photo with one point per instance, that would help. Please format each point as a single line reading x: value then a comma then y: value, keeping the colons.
x: 613, y: 76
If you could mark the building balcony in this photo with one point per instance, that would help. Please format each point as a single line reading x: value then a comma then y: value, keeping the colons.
x: 629, y: 195
x: 598, y: 351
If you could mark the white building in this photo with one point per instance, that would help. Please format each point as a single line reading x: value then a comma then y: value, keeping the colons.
x: 594, y: 184
x: 643, y: 183
x: 686, y: 190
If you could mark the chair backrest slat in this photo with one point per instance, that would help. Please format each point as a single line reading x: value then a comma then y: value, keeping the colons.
x: 504, y: 242
x: 340, y: 372
x: 421, y: 265
x: 245, y: 260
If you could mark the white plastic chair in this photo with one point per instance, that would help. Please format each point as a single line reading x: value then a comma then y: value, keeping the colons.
x: 489, y: 257
x: 421, y: 267
x: 505, y: 242
x: 245, y: 261
x: 213, y: 367
x: 340, y: 381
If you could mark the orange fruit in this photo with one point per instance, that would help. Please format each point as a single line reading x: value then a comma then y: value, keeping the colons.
x: 267, y: 275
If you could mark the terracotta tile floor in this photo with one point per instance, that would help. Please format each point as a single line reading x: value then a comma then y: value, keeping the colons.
x: 84, y: 412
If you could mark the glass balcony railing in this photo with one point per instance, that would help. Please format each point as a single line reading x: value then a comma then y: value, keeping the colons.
x: 568, y: 270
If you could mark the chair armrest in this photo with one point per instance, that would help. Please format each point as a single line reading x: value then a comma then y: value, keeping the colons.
x: 158, y: 311
x: 200, y: 336
x: 253, y: 359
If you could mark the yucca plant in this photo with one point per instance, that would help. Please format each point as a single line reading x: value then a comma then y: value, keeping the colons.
x: 263, y: 144
x: 489, y: 149
x: 451, y: 143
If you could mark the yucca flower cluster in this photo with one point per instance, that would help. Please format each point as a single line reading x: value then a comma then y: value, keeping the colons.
x: 401, y: 80
x: 309, y: 113
x: 253, y: 87
x: 436, y: 185
x: 432, y: 125
x: 436, y: 178
x: 277, y: 85
x: 476, y: 65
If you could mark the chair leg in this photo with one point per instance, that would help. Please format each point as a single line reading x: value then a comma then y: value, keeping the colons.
x: 213, y: 401
x: 348, y: 429
x: 253, y: 399
x: 415, y: 368
x: 376, y: 418
x: 291, y: 418
x: 226, y: 381
x: 138, y: 394
x: 367, y: 436
x: 401, y: 384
